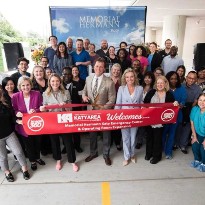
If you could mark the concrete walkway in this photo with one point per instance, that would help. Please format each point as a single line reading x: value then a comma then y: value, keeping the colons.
x: 168, y: 182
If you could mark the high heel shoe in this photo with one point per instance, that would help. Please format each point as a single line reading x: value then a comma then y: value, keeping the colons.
x: 133, y: 160
x: 58, y: 166
x: 125, y: 162
x: 75, y: 167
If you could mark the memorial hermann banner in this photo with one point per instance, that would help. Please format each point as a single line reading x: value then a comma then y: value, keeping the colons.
x: 115, y: 24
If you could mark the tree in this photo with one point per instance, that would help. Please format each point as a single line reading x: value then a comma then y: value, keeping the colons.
x: 7, y: 35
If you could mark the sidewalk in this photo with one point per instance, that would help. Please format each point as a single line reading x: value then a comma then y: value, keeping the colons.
x: 168, y: 182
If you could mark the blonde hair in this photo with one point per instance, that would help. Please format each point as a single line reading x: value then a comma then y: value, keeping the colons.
x: 128, y: 70
x: 49, y: 89
x: 21, y: 80
x: 37, y: 66
x: 165, y: 80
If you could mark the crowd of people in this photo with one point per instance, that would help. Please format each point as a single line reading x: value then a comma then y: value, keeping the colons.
x: 137, y: 75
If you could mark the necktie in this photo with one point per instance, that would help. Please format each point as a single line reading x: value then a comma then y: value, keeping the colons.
x: 95, y: 88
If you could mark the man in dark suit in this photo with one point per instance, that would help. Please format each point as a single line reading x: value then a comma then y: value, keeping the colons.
x: 99, y: 90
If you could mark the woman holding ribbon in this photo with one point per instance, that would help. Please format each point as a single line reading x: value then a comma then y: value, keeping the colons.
x: 129, y: 93
x: 28, y: 101
x: 160, y: 94
x: 56, y: 94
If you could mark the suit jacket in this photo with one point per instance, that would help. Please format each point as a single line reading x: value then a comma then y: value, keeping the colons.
x: 156, y: 61
x: 20, y: 106
x: 123, y: 97
x: 168, y: 98
x: 51, y: 100
x: 106, y: 93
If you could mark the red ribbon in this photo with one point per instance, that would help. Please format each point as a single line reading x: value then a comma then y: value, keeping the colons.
x: 98, y: 120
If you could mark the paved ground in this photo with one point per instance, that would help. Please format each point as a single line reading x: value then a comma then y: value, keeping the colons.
x: 168, y: 182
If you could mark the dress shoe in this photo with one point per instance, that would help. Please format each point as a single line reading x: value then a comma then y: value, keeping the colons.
x: 154, y: 161
x: 125, y: 162
x: 79, y: 149
x: 119, y: 148
x: 138, y: 146
x: 184, y: 150
x: 175, y: 147
x: 9, y: 177
x: 40, y: 161
x: 107, y: 161
x: 34, y: 166
x: 26, y: 174
x: 91, y: 157
x: 147, y: 157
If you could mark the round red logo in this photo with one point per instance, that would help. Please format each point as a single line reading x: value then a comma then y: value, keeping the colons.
x: 167, y: 115
x: 35, y: 123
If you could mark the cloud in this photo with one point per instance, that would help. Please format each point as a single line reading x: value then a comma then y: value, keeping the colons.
x: 140, y: 25
x: 119, y: 10
x: 136, y: 36
x: 126, y: 26
x: 74, y: 38
x: 60, y: 25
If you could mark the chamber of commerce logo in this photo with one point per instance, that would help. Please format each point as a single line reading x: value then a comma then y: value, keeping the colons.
x: 64, y: 118
x: 167, y: 115
x: 35, y: 123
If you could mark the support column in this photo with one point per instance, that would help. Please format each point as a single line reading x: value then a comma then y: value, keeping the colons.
x: 150, y: 35
x: 174, y: 29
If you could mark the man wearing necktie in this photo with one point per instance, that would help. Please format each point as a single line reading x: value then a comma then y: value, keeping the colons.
x: 99, y: 90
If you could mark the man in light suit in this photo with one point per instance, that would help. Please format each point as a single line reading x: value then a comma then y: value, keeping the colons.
x: 99, y: 90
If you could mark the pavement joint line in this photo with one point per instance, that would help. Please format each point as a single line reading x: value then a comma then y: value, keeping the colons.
x: 110, y: 181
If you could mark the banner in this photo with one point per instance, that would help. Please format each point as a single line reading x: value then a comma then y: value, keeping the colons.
x: 98, y: 120
x: 115, y: 24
